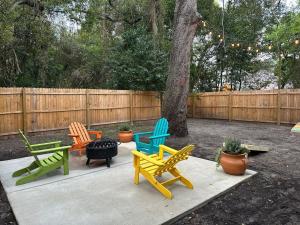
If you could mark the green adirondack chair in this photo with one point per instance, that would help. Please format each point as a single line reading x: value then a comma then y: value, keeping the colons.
x: 39, y: 167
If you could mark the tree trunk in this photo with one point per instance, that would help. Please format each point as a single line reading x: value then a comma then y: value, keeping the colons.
x: 153, y: 16
x: 186, y: 20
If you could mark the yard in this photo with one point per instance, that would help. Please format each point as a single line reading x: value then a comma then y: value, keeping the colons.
x: 270, y: 197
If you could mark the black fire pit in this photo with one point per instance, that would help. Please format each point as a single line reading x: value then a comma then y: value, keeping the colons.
x: 105, y: 148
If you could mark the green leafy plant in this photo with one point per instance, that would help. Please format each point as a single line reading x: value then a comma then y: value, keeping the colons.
x: 125, y: 127
x: 231, y: 146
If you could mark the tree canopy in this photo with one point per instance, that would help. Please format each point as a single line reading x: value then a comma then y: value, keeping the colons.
x: 125, y: 44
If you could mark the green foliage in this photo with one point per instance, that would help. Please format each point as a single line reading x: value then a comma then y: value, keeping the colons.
x: 137, y: 63
x: 282, y: 37
x: 125, y: 127
x: 233, y: 146
x: 114, y: 46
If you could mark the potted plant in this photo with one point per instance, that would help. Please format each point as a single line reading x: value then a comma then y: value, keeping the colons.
x: 125, y: 134
x: 232, y: 157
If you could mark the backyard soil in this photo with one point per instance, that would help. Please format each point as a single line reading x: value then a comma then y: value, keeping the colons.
x: 270, y: 197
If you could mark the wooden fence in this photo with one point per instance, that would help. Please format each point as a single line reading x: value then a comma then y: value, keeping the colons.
x: 43, y: 109
x: 275, y: 106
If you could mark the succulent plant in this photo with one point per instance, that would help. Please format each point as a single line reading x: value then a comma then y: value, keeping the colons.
x: 125, y: 127
x: 231, y: 146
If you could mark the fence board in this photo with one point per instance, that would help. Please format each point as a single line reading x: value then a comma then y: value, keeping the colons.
x: 258, y: 106
x: 45, y: 109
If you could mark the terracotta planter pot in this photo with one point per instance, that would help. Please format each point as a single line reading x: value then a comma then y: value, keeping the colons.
x: 234, y: 164
x: 125, y: 136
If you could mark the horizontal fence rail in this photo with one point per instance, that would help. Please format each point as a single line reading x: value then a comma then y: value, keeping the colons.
x: 274, y: 106
x: 45, y: 109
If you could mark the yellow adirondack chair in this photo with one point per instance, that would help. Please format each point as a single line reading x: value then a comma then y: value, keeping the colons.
x: 151, y: 166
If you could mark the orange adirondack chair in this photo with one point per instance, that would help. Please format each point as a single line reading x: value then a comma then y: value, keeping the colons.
x: 81, y: 136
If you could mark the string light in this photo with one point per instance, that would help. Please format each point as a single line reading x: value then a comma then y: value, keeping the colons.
x: 249, y: 48
x: 282, y: 56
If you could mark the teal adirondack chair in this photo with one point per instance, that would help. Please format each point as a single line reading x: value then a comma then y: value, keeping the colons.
x: 157, y: 137
x: 39, y: 167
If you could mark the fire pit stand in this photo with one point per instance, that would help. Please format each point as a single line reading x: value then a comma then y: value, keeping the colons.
x: 105, y: 148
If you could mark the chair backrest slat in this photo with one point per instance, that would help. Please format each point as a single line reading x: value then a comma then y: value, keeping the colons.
x: 27, y: 145
x: 161, y: 127
x: 182, y: 154
x: 79, y: 129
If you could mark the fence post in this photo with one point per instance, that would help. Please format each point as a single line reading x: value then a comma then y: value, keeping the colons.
x: 278, y: 107
x: 194, y: 96
x: 87, y: 109
x: 230, y: 106
x: 131, y: 107
x: 24, y: 111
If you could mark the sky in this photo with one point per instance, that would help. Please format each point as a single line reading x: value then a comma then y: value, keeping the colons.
x: 290, y: 3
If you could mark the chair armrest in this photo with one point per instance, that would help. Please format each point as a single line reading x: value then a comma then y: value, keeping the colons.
x: 159, y: 136
x: 95, y: 132
x: 46, y: 144
x: 145, y: 157
x: 143, y: 133
x: 163, y: 148
x: 73, y: 135
x: 50, y: 150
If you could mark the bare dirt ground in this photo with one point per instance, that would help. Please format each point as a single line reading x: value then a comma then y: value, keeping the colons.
x: 270, y: 197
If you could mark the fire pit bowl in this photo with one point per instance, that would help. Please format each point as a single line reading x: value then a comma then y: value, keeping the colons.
x: 105, y: 148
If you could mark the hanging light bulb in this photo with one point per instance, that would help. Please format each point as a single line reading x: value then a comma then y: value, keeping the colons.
x: 238, y: 45
x: 204, y: 23
x: 257, y: 51
x: 282, y: 56
x: 297, y: 41
x: 221, y: 40
x: 249, y: 48
x: 219, y: 36
x: 270, y: 47
x: 232, y: 45
x: 210, y: 33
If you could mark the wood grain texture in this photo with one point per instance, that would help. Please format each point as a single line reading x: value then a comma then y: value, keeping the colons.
x: 43, y: 109
x: 257, y: 106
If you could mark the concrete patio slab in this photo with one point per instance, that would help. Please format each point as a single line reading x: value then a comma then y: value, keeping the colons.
x: 101, y: 195
x: 76, y: 164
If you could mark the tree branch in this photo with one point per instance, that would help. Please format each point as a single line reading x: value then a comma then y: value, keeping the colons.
x: 31, y: 3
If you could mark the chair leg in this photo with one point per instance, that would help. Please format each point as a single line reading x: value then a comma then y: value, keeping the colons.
x: 137, y: 175
x: 162, y: 189
x: 66, y: 162
x: 27, y: 169
x: 29, y: 178
x: 183, y: 180
x: 136, y: 165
